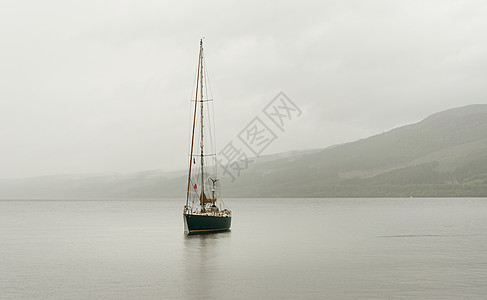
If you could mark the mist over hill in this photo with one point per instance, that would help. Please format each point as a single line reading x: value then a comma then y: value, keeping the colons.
x: 443, y: 155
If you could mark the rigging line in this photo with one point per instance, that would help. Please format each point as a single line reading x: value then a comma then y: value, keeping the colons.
x: 214, y: 139
x: 190, y: 111
x: 213, y: 123
x: 194, y: 119
x: 190, y: 119
x: 210, y: 116
x: 209, y: 126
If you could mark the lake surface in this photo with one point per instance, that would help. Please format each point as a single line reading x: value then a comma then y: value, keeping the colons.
x: 277, y: 249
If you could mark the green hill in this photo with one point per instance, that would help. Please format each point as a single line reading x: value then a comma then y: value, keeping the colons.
x: 445, y: 155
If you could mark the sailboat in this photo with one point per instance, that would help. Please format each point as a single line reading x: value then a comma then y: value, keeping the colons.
x: 204, y: 210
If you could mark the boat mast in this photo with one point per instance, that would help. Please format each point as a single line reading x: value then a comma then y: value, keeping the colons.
x: 194, y: 123
x: 202, y: 197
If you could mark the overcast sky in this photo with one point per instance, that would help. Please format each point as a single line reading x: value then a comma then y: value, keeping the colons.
x: 104, y: 86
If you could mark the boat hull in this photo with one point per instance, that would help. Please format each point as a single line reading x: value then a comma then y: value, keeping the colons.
x: 194, y: 224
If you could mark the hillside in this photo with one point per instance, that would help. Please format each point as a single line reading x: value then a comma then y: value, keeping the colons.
x: 443, y: 155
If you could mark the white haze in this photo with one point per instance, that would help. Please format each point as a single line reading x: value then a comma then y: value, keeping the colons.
x: 104, y: 86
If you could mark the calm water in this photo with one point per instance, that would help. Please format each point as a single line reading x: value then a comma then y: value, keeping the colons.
x: 278, y: 248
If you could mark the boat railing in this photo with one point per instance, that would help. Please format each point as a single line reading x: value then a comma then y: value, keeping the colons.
x: 208, y: 213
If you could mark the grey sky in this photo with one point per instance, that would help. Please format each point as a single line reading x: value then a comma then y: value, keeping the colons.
x: 104, y: 86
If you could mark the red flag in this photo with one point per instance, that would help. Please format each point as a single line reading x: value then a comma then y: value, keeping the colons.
x: 194, y: 186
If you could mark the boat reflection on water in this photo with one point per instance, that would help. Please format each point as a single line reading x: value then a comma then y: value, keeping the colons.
x: 205, y: 258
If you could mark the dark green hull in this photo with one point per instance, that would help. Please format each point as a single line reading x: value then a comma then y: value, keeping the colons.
x: 194, y: 224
